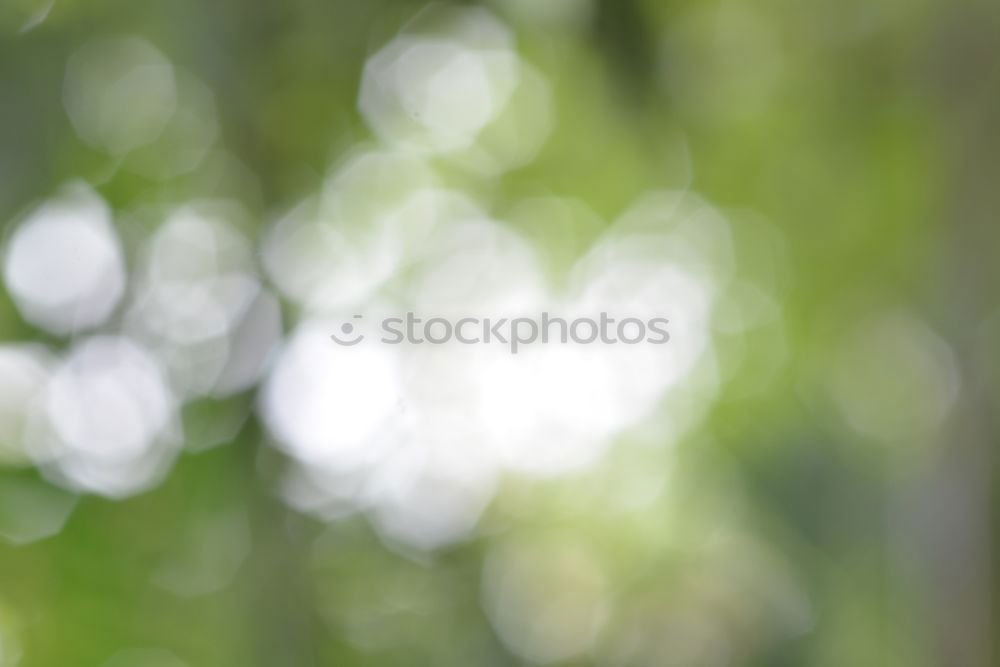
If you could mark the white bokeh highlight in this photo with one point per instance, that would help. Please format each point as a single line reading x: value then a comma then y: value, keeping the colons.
x: 112, y: 417
x: 198, y: 304
x: 418, y: 435
x: 436, y: 92
x: 452, y: 83
x: 63, y: 265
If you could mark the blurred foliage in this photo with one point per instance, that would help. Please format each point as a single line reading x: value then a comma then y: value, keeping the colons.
x: 813, y: 517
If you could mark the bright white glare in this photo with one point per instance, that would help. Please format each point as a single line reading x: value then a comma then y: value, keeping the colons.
x: 547, y: 602
x: 330, y: 405
x: 477, y: 266
x: 112, y: 416
x: 64, y: 266
x: 548, y: 411
x: 24, y: 374
x: 413, y: 455
x: 437, y: 91
x: 431, y: 490
x: 119, y: 93
x: 417, y: 435
x: 553, y: 409
x: 647, y: 290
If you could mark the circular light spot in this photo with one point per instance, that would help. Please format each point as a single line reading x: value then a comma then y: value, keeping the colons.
x: 547, y: 602
x: 64, y: 264
x: 111, y: 411
x: 119, y: 93
x: 437, y: 91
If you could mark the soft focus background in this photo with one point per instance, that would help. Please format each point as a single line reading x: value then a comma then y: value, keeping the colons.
x: 195, y: 195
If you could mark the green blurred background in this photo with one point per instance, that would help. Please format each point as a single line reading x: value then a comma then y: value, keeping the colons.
x: 829, y: 499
